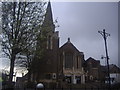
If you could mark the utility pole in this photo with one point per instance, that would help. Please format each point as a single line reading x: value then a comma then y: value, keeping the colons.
x: 105, y: 35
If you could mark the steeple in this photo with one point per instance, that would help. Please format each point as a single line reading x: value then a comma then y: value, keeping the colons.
x: 48, y: 15
x: 48, y: 20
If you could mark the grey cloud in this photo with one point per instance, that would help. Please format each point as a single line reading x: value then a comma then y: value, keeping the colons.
x: 81, y: 21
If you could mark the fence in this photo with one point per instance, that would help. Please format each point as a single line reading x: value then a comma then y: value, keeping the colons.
x: 67, y: 88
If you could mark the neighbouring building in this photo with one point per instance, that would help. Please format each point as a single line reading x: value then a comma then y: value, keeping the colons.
x: 114, y: 73
x: 95, y: 72
x: 92, y: 69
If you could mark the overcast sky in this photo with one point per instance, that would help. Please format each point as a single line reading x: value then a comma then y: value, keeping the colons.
x: 81, y: 21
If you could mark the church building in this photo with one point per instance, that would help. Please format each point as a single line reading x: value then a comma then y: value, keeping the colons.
x: 58, y: 64
x: 71, y: 63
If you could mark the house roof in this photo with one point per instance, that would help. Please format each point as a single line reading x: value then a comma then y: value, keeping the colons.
x: 92, y: 60
x: 113, y: 68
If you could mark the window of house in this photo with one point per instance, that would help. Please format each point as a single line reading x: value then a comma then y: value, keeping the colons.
x: 69, y: 60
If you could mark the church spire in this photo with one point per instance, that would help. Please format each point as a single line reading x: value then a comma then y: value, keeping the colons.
x: 48, y: 20
x: 49, y: 12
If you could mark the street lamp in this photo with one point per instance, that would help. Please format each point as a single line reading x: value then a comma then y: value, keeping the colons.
x: 105, y: 35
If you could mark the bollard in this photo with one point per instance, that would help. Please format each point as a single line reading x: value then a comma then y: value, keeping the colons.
x: 39, y: 86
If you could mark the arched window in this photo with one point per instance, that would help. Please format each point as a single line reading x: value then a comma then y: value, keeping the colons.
x: 69, y: 60
x: 49, y: 42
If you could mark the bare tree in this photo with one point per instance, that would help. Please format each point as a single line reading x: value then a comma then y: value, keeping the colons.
x: 21, y: 23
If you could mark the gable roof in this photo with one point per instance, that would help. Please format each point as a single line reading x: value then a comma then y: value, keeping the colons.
x: 113, y: 68
x: 92, y: 60
x: 69, y: 46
